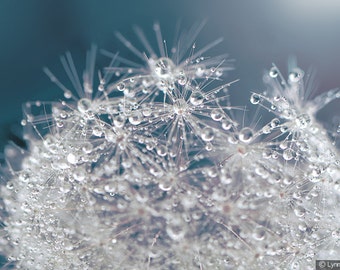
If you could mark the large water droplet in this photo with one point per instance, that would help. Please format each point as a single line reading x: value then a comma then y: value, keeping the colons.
x: 121, y: 86
x: 259, y: 233
x: 196, y: 98
x: 288, y: 154
x: 84, y: 105
x: 299, y: 211
x: 164, y: 67
x: 207, y: 134
x: 255, y: 98
x: 119, y: 121
x: 273, y: 72
x: 136, y: 118
x: 246, y: 135
x: 216, y: 115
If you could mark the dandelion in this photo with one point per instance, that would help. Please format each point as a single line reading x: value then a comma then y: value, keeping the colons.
x: 148, y: 167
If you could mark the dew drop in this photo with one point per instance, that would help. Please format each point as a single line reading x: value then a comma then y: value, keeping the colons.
x: 87, y: 147
x: 136, y: 118
x: 119, y: 121
x: 296, y: 75
x: 246, y: 135
x: 121, y: 86
x: 299, y: 211
x: 259, y: 233
x: 84, y: 105
x: 67, y: 94
x: 216, y: 115
x: 182, y: 79
x: 162, y: 150
x: 196, y: 98
x: 97, y: 131
x: 207, y: 134
x: 71, y: 158
x: 226, y: 125
x: 288, y: 154
x: 255, y: 98
x: 164, y: 67
x: 275, y: 123
x: 273, y: 72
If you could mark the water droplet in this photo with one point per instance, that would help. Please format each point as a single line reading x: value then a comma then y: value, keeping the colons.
x: 71, y: 158
x: 246, y: 135
x: 67, y: 94
x: 259, y: 233
x: 216, y: 115
x: 196, y: 98
x: 97, y: 131
x: 119, y: 121
x: 84, y: 105
x: 207, y: 134
x: 121, y: 86
x: 299, y: 211
x: 147, y: 111
x: 226, y: 125
x: 87, y: 147
x: 275, y: 123
x: 273, y: 72
x: 162, y: 150
x: 296, y: 75
x: 136, y: 118
x: 176, y: 230
x: 288, y: 154
x: 255, y: 98
x: 164, y: 67
x: 79, y: 174
x: 284, y: 129
x: 209, y: 146
x: 182, y: 79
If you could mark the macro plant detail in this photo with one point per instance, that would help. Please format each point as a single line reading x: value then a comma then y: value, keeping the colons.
x: 147, y: 166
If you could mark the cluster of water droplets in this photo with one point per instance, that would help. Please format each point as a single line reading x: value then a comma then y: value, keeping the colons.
x: 153, y: 170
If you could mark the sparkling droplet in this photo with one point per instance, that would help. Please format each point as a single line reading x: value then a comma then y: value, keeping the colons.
x: 164, y: 67
x: 226, y: 125
x: 259, y: 233
x: 299, y: 211
x: 121, y: 86
x: 162, y: 150
x: 216, y: 115
x: 182, y: 79
x: 273, y: 72
x: 255, y: 98
x: 246, y: 135
x: 84, y: 105
x: 275, y: 123
x: 207, y: 134
x: 288, y: 154
x: 97, y: 131
x: 119, y: 121
x: 296, y: 75
x: 196, y: 98
x: 136, y: 118
x: 67, y: 94
x: 71, y: 158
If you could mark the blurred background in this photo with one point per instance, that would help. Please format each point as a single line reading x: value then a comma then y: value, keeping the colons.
x: 33, y: 34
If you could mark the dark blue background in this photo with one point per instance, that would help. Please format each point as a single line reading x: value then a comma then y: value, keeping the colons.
x: 34, y: 34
